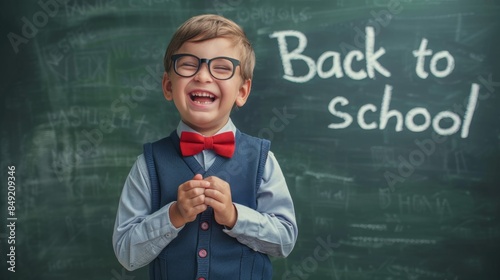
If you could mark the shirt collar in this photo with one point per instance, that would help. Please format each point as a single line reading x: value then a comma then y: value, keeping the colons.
x: 229, y: 126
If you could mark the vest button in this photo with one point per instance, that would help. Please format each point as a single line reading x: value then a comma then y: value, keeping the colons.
x: 202, y: 253
x: 204, y: 226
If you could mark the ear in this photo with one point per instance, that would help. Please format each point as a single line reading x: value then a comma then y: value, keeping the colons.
x: 243, y: 93
x: 167, y: 87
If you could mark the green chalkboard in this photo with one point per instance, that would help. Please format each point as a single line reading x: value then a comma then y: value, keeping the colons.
x: 383, y: 115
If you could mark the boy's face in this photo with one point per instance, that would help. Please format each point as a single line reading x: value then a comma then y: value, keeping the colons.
x: 204, y: 102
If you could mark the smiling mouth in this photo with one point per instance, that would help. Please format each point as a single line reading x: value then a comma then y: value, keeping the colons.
x: 202, y: 97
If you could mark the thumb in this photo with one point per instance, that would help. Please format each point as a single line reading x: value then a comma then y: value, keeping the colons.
x: 198, y: 177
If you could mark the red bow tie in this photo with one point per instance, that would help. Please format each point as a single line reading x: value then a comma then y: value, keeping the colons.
x: 193, y: 143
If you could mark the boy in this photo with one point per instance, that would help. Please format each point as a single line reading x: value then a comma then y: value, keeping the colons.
x: 201, y: 207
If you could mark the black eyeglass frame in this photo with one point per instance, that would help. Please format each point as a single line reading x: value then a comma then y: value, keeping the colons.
x: 175, y: 57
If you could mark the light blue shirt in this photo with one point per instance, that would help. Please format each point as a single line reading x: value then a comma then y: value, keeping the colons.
x: 139, y: 235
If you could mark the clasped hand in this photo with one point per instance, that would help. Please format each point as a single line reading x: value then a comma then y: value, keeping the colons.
x: 195, y: 195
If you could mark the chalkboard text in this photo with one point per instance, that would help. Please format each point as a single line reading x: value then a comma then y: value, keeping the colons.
x: 338, y: 68
x: 409, y: 119
x: 441, y: 65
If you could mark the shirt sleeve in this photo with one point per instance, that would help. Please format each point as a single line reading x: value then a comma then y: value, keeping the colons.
x: 271, y: 228
x: 139, y: 235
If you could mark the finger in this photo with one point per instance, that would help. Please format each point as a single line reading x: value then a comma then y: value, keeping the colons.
x: 214, y: 179
x: 214, y: 203
x: 194, y: 184
x: 217, y: 184
x: 198, y: 177
x: 189, y: 213
x: 199, y: 184
x: 199, y: 208
x: 214, y: 194
x: 198, y: 200
x: 192, y: 193
x: 188, y: 203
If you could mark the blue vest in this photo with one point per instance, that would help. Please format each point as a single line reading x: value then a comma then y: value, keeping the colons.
x: 202, y: 250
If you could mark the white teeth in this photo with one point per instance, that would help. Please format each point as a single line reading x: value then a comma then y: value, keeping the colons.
x: 202, y: 94
x: 202, y: 102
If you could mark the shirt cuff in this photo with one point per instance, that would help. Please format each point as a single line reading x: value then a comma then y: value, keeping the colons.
x: 245, y: 222
x: 159, y: 224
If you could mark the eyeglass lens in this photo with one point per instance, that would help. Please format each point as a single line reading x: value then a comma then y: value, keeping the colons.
x: 220, y: 68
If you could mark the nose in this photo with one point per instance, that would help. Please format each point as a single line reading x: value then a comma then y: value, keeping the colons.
x: 203, y: 75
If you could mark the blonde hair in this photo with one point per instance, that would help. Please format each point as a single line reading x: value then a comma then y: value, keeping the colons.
x: 206, y: 27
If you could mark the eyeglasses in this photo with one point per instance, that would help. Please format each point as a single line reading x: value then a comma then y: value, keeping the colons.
x: 221, y: 68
